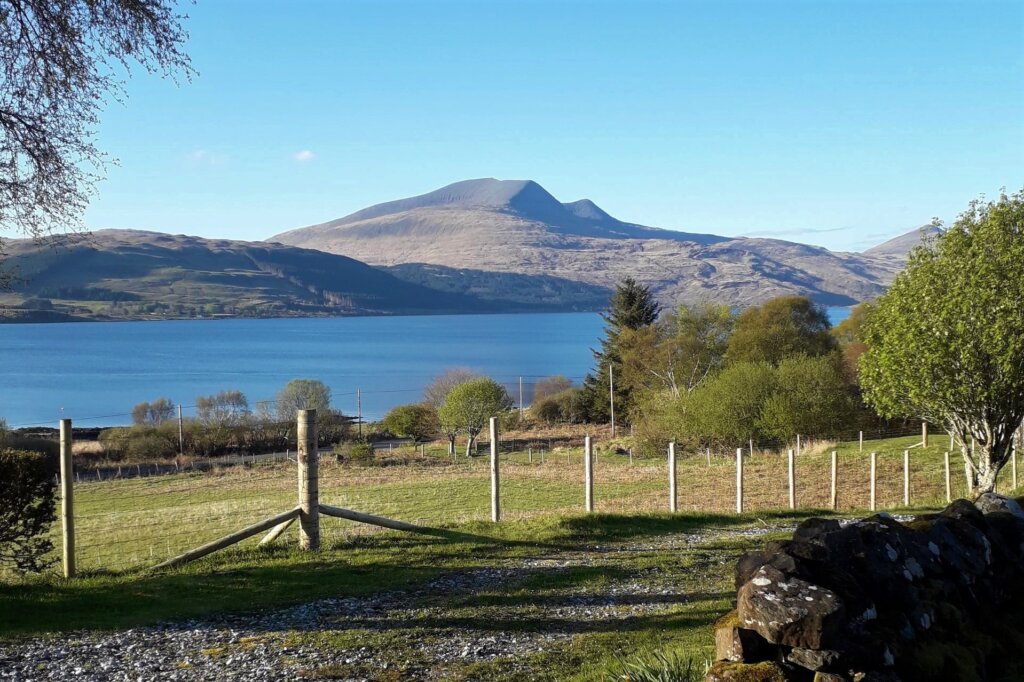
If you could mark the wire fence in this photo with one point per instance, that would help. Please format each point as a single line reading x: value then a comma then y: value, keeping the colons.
x: 138, y: 516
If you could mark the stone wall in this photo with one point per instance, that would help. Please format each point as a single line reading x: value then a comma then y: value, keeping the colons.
x: 940, y: 597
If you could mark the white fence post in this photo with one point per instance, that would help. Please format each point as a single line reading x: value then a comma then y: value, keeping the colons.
x: 495, y: 474
x: 949, y: 490
x: 906, y: 478
x: 835, y: 480
x: 67, y: 497
x: 673, y: 502
x: 874, y: 465
x: 588, y: 473
x: 739, y: 480
x: 792, y: 478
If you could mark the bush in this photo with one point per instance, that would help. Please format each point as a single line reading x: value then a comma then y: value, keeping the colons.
x: 416, y: 421
x: 565, y: 407
x: 27, y: 508
x: 354, y: 453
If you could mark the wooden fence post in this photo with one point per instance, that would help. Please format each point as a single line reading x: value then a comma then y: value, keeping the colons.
x: 67, y: 497
x: 588, y: 473
x: 798, y: 443
x: 949, y: 491
x: 495, y: 474
x: 1013, y: 464
x: 874, y: 464
x: 309, y: 481
x: 739, y: 480
x: 969, y: 479
x: 673, y: 502
x: 792, y: 478
x: 906, y: 478
x: 924, y: 434
x: 861, y: 441
x: 835, y: 480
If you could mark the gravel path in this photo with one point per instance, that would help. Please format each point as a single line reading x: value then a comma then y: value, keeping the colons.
x: 453, y: 619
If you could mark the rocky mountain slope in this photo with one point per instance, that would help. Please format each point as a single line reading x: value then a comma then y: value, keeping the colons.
x: 517, y: 227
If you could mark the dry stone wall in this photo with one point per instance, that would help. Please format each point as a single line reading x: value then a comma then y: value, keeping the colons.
x: 940, y: 597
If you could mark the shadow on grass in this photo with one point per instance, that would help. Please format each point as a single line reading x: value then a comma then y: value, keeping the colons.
x: 245, y: 580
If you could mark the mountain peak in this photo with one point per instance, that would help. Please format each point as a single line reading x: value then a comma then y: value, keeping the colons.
x: 588, y: 210
x: 902, y: 245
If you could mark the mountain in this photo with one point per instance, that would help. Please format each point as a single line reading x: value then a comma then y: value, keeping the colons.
x: 127, y: 274
x: 900, y: 247
x: 517, y: 227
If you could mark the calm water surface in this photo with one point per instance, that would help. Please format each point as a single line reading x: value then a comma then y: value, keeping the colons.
x: 94, y: 372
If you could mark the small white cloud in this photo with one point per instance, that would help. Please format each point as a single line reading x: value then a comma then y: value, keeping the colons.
x: 303, y: 156
x: 204, y: 157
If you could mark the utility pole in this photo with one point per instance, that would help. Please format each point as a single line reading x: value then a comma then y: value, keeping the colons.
x: 520, y: 397
x: 359, y: 411
x: 611, y: 395
x: 181, y: 434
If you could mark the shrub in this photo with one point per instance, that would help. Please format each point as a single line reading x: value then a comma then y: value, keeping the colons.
x: 568, y: 406
x: 27, y: 508
x: 416, y: 421
x: 657, y: 667
x: 354, y: 453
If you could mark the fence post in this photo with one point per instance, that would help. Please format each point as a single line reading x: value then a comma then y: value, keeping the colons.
x: 739, y: 480
x: 792, y: 478
x: 309, y: 481
x: 968, y: 479
x: 874, y: 464
x: 906, y: 478
x: 861, y: 441
x: 949, y: 491
x: 673, y: 504
x: 835, y: 480
x: 67, y: 497
x: 588, y: 473
x: 924, y: 434
x: 495, y: 474
x: 798, y: 443
x: 1013, y: 464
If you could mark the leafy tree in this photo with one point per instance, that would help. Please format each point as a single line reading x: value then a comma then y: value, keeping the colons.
x: 154, y: 413
x: 550, y: 386
x: 727, y: 409
x: 678, y: 352
x: 303, y: 394
x: 632, y: 307
x: 470, y: 406
x: 227, y: 408
x: 946, y: 342
x: 812, y: 398
x: 27, y: 509
x: 60, y: 62
x: 781, y: 328
x: 850, y: 335
x: 440, y: 386
x: 415, y: 420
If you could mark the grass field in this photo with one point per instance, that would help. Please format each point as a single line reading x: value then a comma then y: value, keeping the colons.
x: 133, y: 523
x: 568, y: 577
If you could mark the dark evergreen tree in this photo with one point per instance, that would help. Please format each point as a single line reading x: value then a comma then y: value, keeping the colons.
x: 632, y: 306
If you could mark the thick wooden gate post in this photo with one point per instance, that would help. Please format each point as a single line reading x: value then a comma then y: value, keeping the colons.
x: 588, y: 472
x: 309, y: 481
x: 924, y: 434
x: 67, y: 497
x: 673, y: 499
x: 495, y: 474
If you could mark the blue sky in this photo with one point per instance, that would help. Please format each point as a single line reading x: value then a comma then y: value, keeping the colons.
x: 832, y: 123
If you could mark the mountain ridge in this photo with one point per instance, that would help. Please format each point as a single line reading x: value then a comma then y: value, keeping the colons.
x: 516, y: 226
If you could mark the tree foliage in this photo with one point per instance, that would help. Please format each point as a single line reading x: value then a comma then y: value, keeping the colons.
x: 415, y: 420
x: 632, y: 307
x: 550, y: 386
x: 678, y: 352
x: 59, y: 62
x: 27, y: 509
x: 303, y: 394
x: 440, y: 386
x: 946, y: 342
x: 564, y: 407
x: 469, y: 407
x: 780, y: 328
x: 156, y: 412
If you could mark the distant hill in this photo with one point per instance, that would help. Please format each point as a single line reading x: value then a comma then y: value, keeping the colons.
x: 900, y: 247
x: 517, y: 227
x: 131, y: 275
